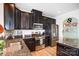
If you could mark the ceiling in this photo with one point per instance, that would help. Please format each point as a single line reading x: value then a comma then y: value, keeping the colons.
x: 49, y: 9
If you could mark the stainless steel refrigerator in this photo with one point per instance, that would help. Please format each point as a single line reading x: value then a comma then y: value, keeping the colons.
x: 54, y: 34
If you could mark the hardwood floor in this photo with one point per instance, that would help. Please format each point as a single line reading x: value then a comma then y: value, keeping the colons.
x: 48, y: 51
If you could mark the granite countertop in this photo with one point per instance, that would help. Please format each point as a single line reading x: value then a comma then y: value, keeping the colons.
x: 24, y: 50
x: 69, y: 44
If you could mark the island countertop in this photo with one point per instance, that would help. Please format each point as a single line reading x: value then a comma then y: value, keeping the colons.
x: 69, y: 44
x: 24, y: 50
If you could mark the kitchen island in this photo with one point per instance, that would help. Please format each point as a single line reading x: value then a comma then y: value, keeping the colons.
x: 64, y: 49
x: 23, y: 51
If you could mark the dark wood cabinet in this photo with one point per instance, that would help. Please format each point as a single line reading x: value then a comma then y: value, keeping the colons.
x: 47, y: 27
x: 15, y: 18
x: 65, y: 50
x: 47, y: 22
x: 30, y: 43
x: 17, y: 21
x: 37, y: 42
x: 36, y: 16
x: 26, y: 20
x: 12, y: 17
x: 53, y: 21
x: 9, y: 16
x: 47, y: 41
x: 30, y: 21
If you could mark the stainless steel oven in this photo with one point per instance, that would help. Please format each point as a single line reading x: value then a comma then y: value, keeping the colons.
x: 39, y: 43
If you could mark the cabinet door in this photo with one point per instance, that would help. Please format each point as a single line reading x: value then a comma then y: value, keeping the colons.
x: 30, y: 21
x: 43, y: 21
x: 47, y: 25
x: 53, y: 21
x: 9, y: 16
x: 36, y: 16
x: 17, y: 19
x: 24, y: 20
x: 30, y: 43
x: 47, y: 41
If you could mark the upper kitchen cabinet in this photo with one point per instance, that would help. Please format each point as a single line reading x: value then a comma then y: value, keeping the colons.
x: 23, y: 19
x: 17, y: 20
x: 50, y: 20
x: 26, y: 21
x: 30, y: 21
x: 9, y: 16
x: 36, y: 16
x: 46, y: 20
x: 53, y: 21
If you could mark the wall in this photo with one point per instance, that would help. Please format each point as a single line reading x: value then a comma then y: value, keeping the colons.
x: 61, y: 18
x: 1, y: 16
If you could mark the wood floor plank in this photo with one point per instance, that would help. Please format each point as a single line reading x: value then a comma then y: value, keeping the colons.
x: 48, y: 51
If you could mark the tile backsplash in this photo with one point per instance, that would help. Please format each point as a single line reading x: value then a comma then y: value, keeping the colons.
x: 22, y: 32
x: 26, y: 32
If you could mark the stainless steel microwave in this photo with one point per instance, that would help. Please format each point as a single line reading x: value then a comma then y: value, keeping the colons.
x: 37, y: 26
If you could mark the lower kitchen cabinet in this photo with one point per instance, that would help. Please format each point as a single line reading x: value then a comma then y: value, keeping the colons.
x: 37, y: 42
x: 65, y: 50
x: 47, y: 41
x: 30, y: 43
